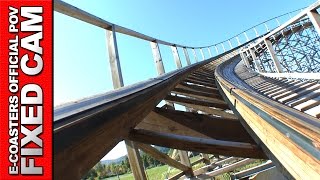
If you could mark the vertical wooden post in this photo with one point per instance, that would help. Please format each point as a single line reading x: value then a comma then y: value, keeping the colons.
x: 185, y: 51
x: 266, y: 26
x: 255, y: 30
x: 206, y: 158
x: 114, y: 59
x: 256, y: 62
x: 216, y: 49
x: 195, y: 54
x: 133, y: 152
x: 209, y: 52
x: 202, y: 54
x: 136, y: 164
x: 273, y: 56
x: 230, y: 44
x: 245, y: 34
x: 159, y: 64
x: 244, y: 59
x: 239, y: 43
x: 224, y: 49
x: 157, y: 58
x: 315, y: 19
x: 176, y: 57
x: 184, y: 158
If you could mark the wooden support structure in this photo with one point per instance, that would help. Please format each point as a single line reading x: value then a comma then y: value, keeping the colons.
x: 176, y: 57
x: 114, y: 58
x: 273, y: 55
x: 136, y: 164
x: 133, y: 153
x: 165, y: 158
x: 255, y: 60
x: 217, y: 128
x: 185, y: 51
x: 202, y: 54
x: 195, y: 55
x: 203, y: 145
x: 254, y: 170
x: 229, y: 167
x: 291, y: 132
x: 314, y: 17
x: 114, y: 107
x: 209, y: 51
x: 213, y: 103
x: 157, y: 58
x: 213, y: 165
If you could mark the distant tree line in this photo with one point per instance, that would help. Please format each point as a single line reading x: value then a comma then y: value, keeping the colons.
x: 101, y: 171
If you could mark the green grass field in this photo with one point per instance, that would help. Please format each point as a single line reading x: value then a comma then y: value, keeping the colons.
x: 158, y: 173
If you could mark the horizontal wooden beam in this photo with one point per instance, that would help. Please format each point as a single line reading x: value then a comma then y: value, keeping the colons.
x: 199, y: 88
x: 253, y: 170
x: 164, y: 158
x: 199, y: 94
x: 209, y: 146
x: 214, y: 127
x: 230, y: 167
x: 207, y: 84
x: 176, y: 176
x: 206, y: 109
x: 158, y: 123
x: 213, y: 103
x: 213, y: 165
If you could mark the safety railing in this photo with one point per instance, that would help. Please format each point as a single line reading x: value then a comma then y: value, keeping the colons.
x: 112, y: 29
x: 289, y: 51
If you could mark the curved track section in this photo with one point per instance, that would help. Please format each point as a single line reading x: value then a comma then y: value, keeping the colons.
x: 289, y: 137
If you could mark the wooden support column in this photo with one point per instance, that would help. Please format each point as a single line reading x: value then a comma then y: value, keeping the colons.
x: 244, y: 59
x: 202, y: 54
x: 209, y: 52
x: 114, y: 58
x: 216, y: 49
x: 184, y: 158
x: 230, y: 44
x: 136, y: 164
x: 176, y: 57
x: 239, y: 43
x: 224, y: 49
x: 273, y: 56
x: 165, y: 158
x: 157, y: 58
x: 256, y: 62
x: 195, y: 54
x: 183, y: 154
x: 159, y: 64
x: 185, y: 51
x: 133, y: 153
x: 206, y: 158
x: 315, y: 19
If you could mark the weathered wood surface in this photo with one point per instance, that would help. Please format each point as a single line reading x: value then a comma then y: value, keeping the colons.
x: 213, y: 103
x: 214, y: 127
x: 158, y: 123
x: 80, y: 126
x: 164, y: 158
x: 209, y: 146
x: 291, y: 136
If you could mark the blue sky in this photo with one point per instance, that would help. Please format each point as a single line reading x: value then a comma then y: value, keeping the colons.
x: 81, y: 66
